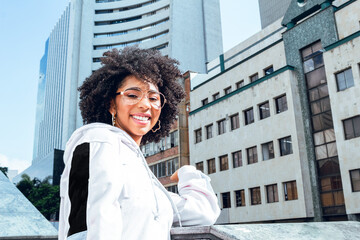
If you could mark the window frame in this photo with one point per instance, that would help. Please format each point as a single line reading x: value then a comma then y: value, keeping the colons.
x: 205, y: 101
x: 240, y: 84
x: 253, y: 150
x: 239, y: 160
x: 209, y: 169
x: 198, y: 164
x: 272, y: 190
x: 216, y: 96
x: 262, y: 151
x: 209, y: 134
x: 251, y: 120
x: 228, y: 194
x: 221, y: 163
x: 227, y: 90
x: 285, y: 188
x: 282, y: 153
x: 198, y: 135
x: 278, y: 106
x: 254, y: 77
x: 240, y: 195
x: 251, y: 190
x: 236, y: 123
x: 261, y: 117
x: 351, y: 180
x: 346, y: 81
x: 267, y: 68
x: 354, y: 132
x: 221, y: 125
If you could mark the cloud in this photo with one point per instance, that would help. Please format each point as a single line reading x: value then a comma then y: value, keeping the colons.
x: 14, y: 163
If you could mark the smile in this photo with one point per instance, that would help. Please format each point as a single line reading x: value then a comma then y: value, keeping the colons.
x: 141, y: 118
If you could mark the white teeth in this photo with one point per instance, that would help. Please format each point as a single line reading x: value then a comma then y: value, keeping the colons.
x: 141, y: 118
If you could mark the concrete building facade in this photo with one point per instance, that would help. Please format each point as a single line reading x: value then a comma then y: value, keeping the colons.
x: 276, y: 122
x: 100, y: 25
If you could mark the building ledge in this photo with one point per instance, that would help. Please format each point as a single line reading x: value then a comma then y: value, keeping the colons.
x: 299, y: 231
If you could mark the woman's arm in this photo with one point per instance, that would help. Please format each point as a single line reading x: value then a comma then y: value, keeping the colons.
x: 94, y: 189
x: 196, y: 202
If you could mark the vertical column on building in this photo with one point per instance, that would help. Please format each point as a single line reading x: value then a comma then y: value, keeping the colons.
x: 327, y: 162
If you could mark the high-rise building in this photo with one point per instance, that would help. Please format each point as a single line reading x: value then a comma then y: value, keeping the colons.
x: 177, y: 28
x: 272, y: 10
x: 50, y: 101
x: 276, y: 122
x: 51, y: 89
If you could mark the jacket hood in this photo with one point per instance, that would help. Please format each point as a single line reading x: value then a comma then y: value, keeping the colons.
x: 94, y: 127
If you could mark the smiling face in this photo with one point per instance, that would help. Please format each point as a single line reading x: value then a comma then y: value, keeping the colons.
x: 139, y: 118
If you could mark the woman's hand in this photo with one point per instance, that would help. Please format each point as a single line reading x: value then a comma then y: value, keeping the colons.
x: 175, y: 177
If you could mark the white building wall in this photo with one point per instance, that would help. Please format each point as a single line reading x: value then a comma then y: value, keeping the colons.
x: 345, y: 104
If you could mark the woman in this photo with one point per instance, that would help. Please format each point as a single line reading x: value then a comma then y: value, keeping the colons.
x: 107, y: 190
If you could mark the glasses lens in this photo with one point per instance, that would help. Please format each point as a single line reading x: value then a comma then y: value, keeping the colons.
x: 133, y: 96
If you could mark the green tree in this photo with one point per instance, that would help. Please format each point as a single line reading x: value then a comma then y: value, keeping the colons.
x: 42, y: 194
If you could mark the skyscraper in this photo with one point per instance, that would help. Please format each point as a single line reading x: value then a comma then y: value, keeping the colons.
x: 50, y: 104
x: 272, y: 10
x: 189, y: 31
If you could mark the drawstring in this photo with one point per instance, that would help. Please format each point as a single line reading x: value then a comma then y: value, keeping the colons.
x: 152, y: 177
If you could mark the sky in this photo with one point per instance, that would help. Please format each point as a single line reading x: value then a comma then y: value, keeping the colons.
x: 24, y: 26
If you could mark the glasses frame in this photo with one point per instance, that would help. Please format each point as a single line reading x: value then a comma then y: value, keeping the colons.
x: 144, y: 95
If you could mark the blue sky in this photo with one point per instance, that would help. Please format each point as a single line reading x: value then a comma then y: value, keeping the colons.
x: 25, y: 25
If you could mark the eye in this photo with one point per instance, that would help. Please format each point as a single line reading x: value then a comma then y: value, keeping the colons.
x: 154, y: 97
x: 133, y: 94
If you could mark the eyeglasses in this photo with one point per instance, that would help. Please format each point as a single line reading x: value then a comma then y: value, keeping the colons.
x: 132, y: 96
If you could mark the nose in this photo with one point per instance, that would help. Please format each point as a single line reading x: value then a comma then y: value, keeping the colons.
x: 145, y: 102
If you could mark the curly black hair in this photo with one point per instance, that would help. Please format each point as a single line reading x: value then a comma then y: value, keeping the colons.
x: 149, y: 65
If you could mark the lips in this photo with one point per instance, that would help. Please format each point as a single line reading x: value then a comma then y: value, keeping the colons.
x: 141, y: 118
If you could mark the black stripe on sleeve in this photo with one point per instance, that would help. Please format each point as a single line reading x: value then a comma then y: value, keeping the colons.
x: 78, y: 188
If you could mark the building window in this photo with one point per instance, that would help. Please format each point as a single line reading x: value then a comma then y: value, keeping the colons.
x: 249, y: 116
x: 200, y: 166
x: 352, y: 127
x: 264, y: 110
x: 272, y: 193
x: 173, y: 189
x: 254, y: 77
x: 281, y: 104
x: 268, y: 70
x: 268, y: 150
x: 226, y: 201
x: 205, y: 101
x: 240, y: 198
x: 237, y: 159
x: 208, y: 131
x: 355, y: 180
x: 252, y: 155
x: 235, y: 121
x: 227, y: 90
x: 290, y: 191
x: 198, y: 135
x: 224, y: 163
x: 255, y: 196
x: 221, y: 126
x: 161, y: 169
x: 171, y: 166
x: 239, y: 84
x: 211, y: 166
x: 285, y: 146
x: 216, y: 96
x: 344, y: 79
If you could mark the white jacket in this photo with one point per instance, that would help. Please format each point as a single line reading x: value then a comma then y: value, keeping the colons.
x: 121, y: 197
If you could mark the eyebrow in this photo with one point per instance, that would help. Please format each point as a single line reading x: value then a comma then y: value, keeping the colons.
x: 139, y: 89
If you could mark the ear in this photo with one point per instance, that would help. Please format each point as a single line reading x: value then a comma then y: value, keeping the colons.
x: 112, y: 108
